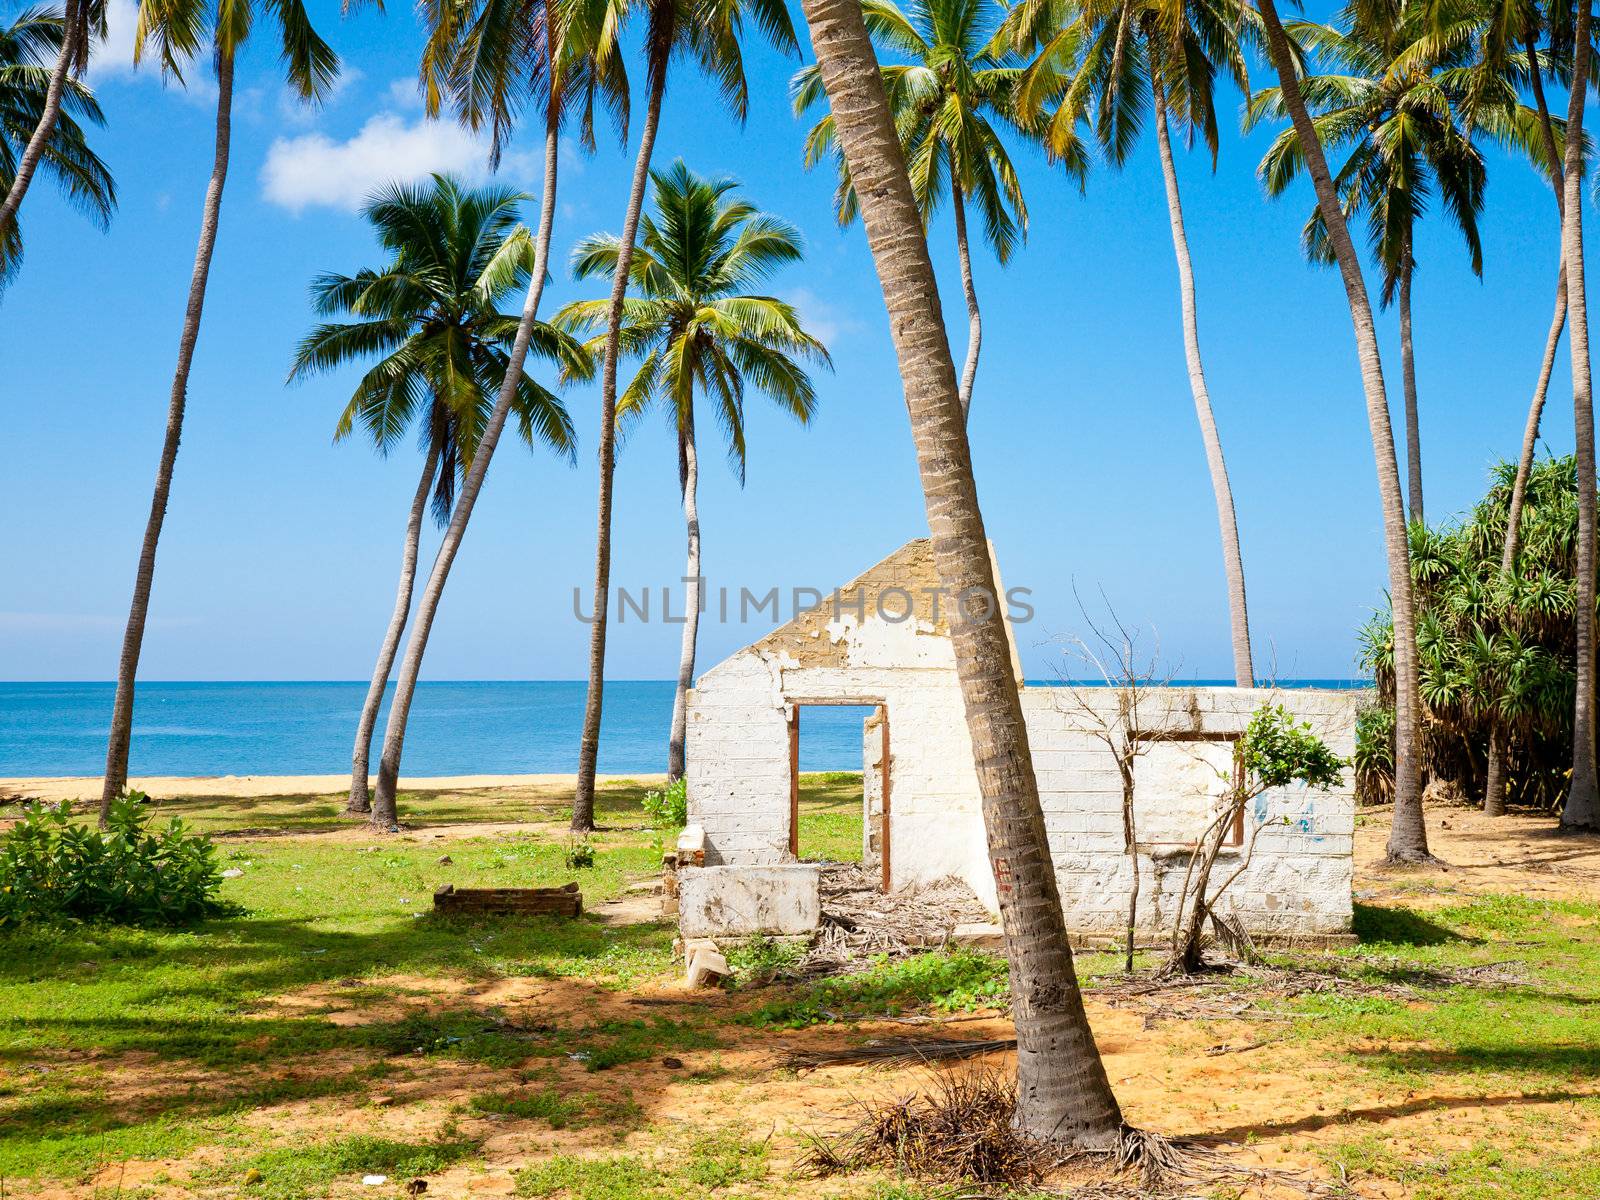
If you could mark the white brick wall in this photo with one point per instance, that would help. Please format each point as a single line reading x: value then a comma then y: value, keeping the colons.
x: 1298, y: 880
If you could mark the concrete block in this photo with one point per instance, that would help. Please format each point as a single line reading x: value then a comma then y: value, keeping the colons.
x: 692, y: 845
x: 979, y: 935
x: 742, y: 900
x: 707, y: 968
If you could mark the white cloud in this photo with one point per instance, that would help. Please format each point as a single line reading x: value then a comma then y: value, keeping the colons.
x: 292, y: 110
x: 314, y: 169
x: 112, y: 59
x: 820, y: 318
x: 406, y: 93
x: 114, y: 56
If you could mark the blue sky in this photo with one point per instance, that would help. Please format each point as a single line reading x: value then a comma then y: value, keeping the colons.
x: 280, y: 550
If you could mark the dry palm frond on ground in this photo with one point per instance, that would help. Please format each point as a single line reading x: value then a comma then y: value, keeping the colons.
x: 860, y: 922
x: 958, y: 1131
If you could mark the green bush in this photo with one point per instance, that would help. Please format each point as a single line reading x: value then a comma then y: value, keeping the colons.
x: 1374, y: 760
x: 53, y: 868
x: 668, y: 807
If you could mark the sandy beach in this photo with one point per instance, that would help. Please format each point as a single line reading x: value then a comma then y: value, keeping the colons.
x: 86, y: 787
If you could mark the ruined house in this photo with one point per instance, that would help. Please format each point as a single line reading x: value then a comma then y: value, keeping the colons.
x: 883, y: 641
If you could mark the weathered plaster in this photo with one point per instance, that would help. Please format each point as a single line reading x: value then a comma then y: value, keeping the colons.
x: 1298, y: 879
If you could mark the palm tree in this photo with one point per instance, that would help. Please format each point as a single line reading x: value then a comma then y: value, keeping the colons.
x: 1582, y: 809
x: 178, y: 29
x: 946, y: 104
x: 1394, y: 98
x: 431, y: 317
x: 697, y: 328
x: 1103, y: 61
x: 707, y: 31
x: 1062, y: 1091
x: 1403, y: 98
x: 1505, y: 36
x: 487, y: 60
x: 34, y: 98
x: 1408, y: 836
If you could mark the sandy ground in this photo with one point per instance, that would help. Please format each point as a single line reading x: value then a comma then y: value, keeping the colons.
x: 1276, y: 1099
x: 1520, y: 854
x: 85, y: 787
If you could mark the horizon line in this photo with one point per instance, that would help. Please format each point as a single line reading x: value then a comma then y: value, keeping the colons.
x: 1211, y: 680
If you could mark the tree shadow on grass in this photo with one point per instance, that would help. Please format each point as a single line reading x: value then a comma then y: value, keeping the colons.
x: 1575, y: 1062
x: 190, y: 1024
x: 1387, y: 1112
x: 1402, y: 927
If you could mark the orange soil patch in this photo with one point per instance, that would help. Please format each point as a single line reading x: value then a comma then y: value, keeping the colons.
x: 1277, y: 1100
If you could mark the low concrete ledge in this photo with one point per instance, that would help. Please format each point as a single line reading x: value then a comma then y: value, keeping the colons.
x: 1144, y: 939
x: 741, y: 901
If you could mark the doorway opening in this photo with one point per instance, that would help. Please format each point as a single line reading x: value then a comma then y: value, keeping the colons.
x: 825, y: 821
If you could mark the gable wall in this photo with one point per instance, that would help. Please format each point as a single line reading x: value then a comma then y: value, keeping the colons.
x: 1297, y: 881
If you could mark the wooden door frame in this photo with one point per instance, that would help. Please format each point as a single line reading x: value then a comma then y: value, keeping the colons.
x: 794, y: 705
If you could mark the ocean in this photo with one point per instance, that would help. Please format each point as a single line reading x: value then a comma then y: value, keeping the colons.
x: 488, y: 728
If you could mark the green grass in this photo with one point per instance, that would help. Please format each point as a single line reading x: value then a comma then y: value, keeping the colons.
x: 346, y: 921
x: 1535, y: 1034
x: 1525, y: 1160
x: 959, y: 980
x: 303, y: 1170
x: 714, y: 1162
x: 561, y: 1110
x: 830, y: 817
x: 338, y: 916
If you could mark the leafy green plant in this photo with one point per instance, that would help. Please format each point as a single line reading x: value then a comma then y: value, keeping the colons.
x: 762, y: 958
x: 668, y: 807
x: 1497, y: 649
x: 580, y: 856
x: 1374, y: 758
x: 53, y: 868
x: 948, y: 981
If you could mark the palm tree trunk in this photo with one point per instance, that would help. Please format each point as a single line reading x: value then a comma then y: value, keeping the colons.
x: 360, y: 798
x: 1232, y: 560
x: 1530, y: 433
x: 1408, y: 835
x: 589, y: 746
x: 1062, y: 1091
x: 1494, y: 788
x: 45, y: 129
x: 116, y: 777
x: 969, y: 372
x: 689, y: 473
x: 1582, y: 809
x: 1408, y: 380
x: 383, y: 801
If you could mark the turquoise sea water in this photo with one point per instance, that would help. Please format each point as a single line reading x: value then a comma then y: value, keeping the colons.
x: 307, y: 728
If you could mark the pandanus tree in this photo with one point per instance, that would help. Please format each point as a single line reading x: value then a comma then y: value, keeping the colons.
x: 1496, y: 649
x: 950, y: 103
x: 1408, y: 835
x: 707, y: 32
x: 1393, y: 97
x: 430, y: 316
x: 28, y: 90
x: 487, y: 60
x: 1109, y: 62
x: 701, y: 333
x: 180, y: 30
x: 1063, y: 1094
